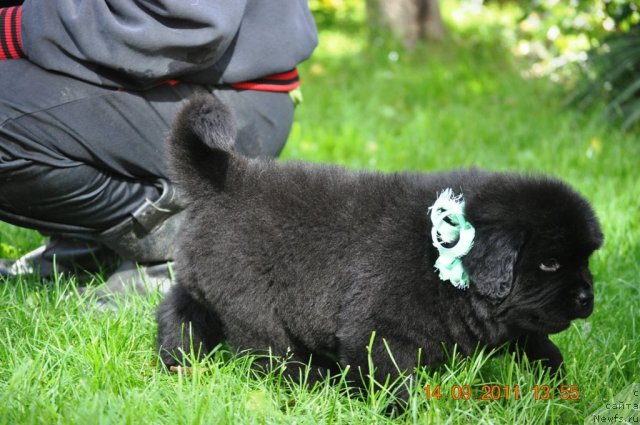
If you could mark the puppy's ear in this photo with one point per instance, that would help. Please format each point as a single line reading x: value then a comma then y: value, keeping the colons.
x: 491, y: 262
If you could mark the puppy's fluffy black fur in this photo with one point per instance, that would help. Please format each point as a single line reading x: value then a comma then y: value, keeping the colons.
x: 310, y: 260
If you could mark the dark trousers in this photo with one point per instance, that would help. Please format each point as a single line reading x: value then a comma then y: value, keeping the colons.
x: 78, y: 158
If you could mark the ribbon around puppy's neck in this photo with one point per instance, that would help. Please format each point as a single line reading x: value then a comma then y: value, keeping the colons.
x: 453, y: 236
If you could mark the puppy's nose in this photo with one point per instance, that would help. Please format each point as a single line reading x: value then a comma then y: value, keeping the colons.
x: 584, y: 298
x: 584, y: 303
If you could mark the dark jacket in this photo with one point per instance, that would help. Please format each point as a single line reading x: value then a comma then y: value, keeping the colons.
x: 140, y: 43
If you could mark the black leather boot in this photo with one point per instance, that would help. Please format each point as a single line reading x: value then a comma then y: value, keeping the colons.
x: 145, y: 241
x: 142, y: 245
x: 64, y: 255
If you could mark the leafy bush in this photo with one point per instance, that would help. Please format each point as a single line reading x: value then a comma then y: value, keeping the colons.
x: 327, y: 12
x: 601, y: 37
x: 613, y: 74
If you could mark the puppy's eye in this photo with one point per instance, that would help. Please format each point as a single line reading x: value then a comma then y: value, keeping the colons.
x: 550, y: 265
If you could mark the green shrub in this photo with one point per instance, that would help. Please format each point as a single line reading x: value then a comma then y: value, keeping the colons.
x: 613, y: 74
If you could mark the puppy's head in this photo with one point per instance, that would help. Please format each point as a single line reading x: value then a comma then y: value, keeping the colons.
x: 531, y: 255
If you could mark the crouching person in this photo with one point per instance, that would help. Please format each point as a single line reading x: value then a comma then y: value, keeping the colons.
x: 87, y: 96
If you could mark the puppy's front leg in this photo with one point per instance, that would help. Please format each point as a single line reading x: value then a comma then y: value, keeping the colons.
x: 538, y: 347
x: 392, y: 359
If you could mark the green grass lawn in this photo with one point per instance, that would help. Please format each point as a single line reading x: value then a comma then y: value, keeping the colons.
x: 459, y: 104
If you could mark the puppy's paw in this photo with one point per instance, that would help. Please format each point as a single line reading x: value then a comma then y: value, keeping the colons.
x: 538, y: 347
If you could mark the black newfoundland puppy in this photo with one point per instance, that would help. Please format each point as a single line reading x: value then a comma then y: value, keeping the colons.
x: 307, y: 260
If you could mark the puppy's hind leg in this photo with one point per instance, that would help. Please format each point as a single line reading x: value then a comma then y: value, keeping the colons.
x: 186, y: 328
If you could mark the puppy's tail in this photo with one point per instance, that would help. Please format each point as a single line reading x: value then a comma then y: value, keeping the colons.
x: 200, y: 146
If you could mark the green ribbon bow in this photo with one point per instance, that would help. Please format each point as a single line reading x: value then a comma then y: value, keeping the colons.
x: 453, y: 236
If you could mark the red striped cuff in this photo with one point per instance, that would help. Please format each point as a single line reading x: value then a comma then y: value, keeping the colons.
x: 10, y: 38
x: 282, y: 82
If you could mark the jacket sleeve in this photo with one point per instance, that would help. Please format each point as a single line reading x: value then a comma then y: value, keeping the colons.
x: 128, y: 43
x: 10, y: 42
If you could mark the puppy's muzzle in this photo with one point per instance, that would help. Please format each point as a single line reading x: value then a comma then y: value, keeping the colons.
x: 583, y: 297
x: 583, y: 303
